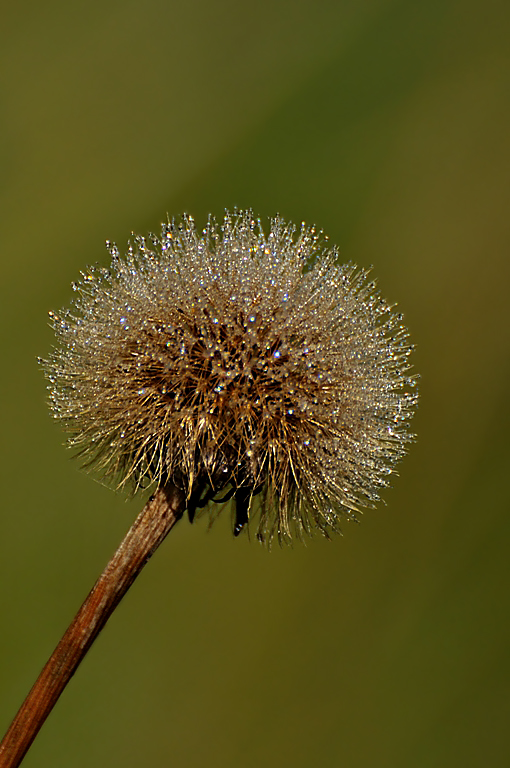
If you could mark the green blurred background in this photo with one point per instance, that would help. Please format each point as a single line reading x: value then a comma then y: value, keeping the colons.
x: 386, y: 123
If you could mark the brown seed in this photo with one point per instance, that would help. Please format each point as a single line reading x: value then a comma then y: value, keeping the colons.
x: 231, y: 361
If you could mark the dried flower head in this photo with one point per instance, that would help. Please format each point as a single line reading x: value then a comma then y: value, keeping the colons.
x: 238, y: 362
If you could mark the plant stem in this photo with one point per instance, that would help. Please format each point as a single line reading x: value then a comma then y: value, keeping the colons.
x: 152, y: 525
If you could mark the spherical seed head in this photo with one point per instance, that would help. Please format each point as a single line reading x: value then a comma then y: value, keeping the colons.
x: 235, y: 360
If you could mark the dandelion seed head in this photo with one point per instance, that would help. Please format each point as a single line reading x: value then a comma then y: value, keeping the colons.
x: 232, y: 359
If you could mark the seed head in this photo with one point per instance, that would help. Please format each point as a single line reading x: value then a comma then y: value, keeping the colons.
x: 238, y: 362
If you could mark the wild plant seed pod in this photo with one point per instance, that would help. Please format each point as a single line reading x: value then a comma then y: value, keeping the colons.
x: 236, y: 363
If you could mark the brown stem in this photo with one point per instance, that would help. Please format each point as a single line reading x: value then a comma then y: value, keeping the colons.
x: 143, y: 538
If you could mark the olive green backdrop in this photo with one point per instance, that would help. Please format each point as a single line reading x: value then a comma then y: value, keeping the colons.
x: 386, y: 123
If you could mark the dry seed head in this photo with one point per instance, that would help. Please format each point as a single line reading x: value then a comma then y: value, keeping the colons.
x: 232, y: 360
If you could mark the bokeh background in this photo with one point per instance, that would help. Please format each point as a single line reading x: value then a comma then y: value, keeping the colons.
x: 386, y: 123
